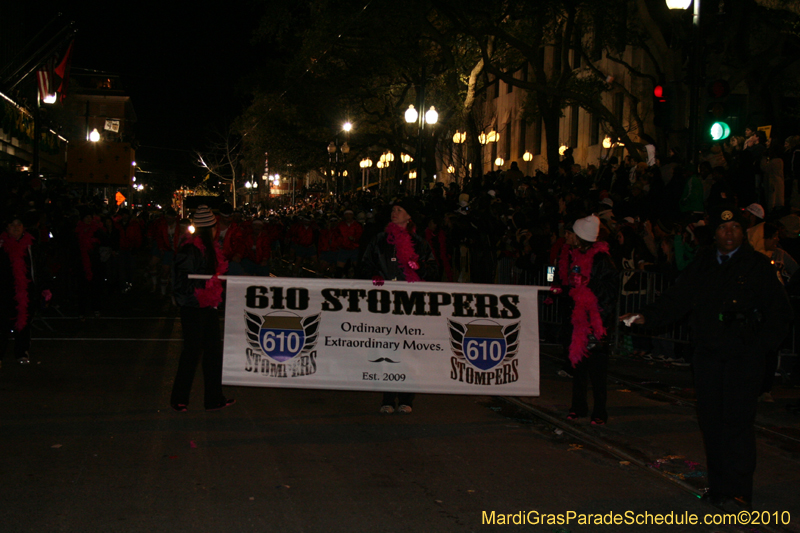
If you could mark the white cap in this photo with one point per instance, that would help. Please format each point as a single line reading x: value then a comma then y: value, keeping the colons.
x: 587, y: 228
x: 756, y: 209
x: 608, y: 201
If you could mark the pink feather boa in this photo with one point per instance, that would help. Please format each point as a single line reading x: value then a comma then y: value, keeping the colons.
x: 404, y: 248
x: 211, y: 294
x: 16, y: 250
x: 575, y: 270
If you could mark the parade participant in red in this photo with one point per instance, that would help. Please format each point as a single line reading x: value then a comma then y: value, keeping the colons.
x: 16, y: 288
x: 228, y: 234
x: 302, y: 240
x: 329, y: 244
x: 399, y: 253
x: 586, y: 269
x: 130, y: 240
x: 166, y: 236
x: 349, y: 236
x: 90, y: 283
x: 258, y: 248
x: 198, y: 300
x: 275, y: 233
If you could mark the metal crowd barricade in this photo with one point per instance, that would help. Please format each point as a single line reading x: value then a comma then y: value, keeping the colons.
x: 550, y: 306
x: 637, y: 289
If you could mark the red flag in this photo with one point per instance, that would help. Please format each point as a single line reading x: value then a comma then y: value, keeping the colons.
x: 61, y: 71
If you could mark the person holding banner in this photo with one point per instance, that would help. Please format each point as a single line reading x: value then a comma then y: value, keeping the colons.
x: 398, y: 253
x: 198, y: 300
x: 593, y: 285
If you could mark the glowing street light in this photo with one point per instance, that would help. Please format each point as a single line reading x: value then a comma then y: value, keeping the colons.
x: 411, y: 115
x: 431, y: 117
x: 527, y: 156
x: 94, y: 136
x: 347, y: 126
x: 459, y: 137
x: 679, y: 4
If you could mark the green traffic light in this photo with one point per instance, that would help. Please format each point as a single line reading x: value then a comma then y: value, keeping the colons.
x: 719, y: 131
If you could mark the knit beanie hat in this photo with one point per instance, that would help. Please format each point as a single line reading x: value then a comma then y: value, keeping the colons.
x: 203, y: 217
x: 411, y: 207
x: 587, y: 228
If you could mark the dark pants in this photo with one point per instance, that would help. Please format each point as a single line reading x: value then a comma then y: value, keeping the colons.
x: 402, y: 398
x: 201, y: 337
x: 593, y: 368
x: 727, y: 383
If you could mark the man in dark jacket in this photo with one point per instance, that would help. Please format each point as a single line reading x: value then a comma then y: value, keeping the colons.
x: 738, y: 311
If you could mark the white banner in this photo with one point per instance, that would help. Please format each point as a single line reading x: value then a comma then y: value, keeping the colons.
x: 402, y: 337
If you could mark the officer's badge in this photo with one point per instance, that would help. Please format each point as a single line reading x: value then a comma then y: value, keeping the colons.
x: 726, y: 216
x: 282, y: 336
x: 483, y: 343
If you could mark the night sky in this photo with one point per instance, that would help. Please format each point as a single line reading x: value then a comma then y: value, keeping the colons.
x: 182, y: 65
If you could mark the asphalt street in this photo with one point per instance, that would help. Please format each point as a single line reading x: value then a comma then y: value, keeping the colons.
x: 90, y: 444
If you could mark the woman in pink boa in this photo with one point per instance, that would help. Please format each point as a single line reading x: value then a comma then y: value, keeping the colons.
x: 588, y: 273
x: 398, y: 253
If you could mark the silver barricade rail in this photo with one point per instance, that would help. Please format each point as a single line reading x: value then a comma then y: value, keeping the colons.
x: 637, y: 289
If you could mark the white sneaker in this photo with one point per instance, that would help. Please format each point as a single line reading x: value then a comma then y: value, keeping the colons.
x: 404, y: 409
x: 387, y: 409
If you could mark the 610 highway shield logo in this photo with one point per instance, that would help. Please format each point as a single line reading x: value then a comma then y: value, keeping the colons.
x: 282, y: 337
x: 483, y: 343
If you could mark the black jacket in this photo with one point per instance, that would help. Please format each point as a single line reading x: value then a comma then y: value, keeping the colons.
x: 380, y: 259
x: 604, y: 283
x: 739, y: 303
x: 189, y: 260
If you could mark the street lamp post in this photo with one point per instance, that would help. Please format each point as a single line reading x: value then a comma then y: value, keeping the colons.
x: 334, y: 149
x: 365, y: 166
x: 697, y: 57
x: 431, y: 117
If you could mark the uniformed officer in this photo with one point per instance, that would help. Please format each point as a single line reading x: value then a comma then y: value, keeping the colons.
x: 738, y: 312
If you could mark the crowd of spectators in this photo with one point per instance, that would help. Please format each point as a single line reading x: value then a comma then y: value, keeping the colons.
x: 503, y: 227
